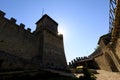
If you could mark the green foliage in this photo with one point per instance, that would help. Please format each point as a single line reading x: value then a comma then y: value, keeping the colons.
x: 96, y: 47
x: 87, y: 74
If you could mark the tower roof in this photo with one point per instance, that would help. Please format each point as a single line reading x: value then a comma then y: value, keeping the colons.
x: 44, y: 17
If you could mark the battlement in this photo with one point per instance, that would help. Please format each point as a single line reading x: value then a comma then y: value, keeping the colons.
x: 28, y: 29
x: 2, y: 14
x: 22, y: 26
x: 43, y: 46
x: 12, y: 21
x: 78, y: 59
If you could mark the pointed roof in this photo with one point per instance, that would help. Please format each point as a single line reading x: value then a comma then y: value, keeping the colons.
x: 46, y: 16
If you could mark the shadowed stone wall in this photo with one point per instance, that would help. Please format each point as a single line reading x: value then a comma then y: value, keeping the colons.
x: 43, y: 46
x: 15, y: 39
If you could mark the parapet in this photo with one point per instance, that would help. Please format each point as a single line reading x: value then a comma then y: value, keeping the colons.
x: 22, y: 25
x: 28, y: 29
x: 2, y: 14
x: 13, y: 21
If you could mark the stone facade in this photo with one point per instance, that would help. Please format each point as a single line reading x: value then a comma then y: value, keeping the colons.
x: 108, y: 58
x: 107, y: 55
x: 110, y: 46
x: 43, y: 47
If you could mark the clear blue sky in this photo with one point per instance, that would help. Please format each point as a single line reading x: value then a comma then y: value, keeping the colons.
x: 81, y: 22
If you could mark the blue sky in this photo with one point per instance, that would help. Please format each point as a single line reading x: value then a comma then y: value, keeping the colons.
x: 81, y: 22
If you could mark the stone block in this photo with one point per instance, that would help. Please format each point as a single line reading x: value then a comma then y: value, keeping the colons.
x: 13, y: 21
x: 28, y: 29
x: 2, y: 14
x: 22, y: 25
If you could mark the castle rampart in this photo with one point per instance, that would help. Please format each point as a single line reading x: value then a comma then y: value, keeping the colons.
x: 44, y: 46
x: 15, y: 38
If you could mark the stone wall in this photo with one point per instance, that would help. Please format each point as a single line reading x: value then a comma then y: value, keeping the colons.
x: 117, y: 48
x: 111, y: 43
x: 43, y: 47
x: 102, y: 63
x: 54, y: 50
x: 109, y: 59
x: 11, y: 62
x: 15, y: 39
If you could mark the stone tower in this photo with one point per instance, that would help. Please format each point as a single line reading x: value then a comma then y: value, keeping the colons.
x: 21, y: 48
x: 50, y: 43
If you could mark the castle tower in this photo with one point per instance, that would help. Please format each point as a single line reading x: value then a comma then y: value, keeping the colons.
x: 51, y: 47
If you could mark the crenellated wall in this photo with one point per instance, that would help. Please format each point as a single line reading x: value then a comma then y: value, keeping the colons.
x: 15, y: 38
x: 43, y: 47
